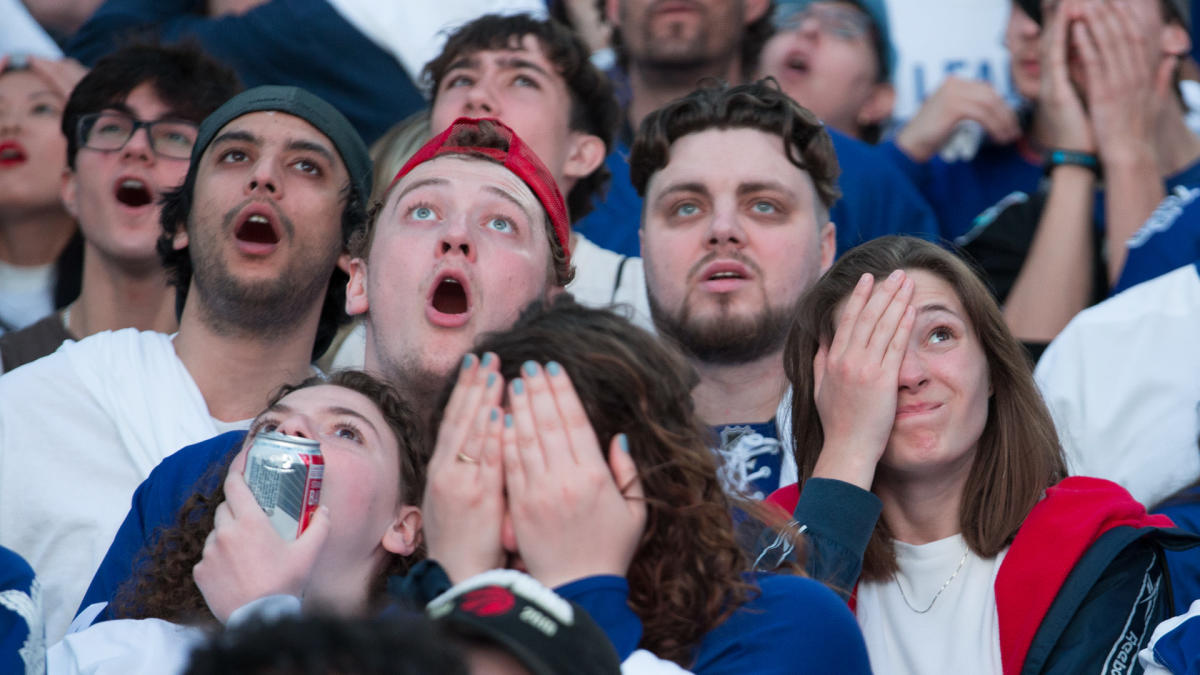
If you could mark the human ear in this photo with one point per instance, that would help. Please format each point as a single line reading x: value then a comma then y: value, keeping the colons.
x: 67, y: 192
x: 828, y: 237
x: 755, y: 9
x: 356, y: 288
x: 586, y: 153
x: 403, y: 535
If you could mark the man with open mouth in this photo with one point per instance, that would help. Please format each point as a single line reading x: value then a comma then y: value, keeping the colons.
x: 738, y: 183
x: 129, y: 126
x: 275, y: 188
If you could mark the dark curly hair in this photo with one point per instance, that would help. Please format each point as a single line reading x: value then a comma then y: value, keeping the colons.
x: 594, y: 107
x: 760, y: 105
x: 162, y: 586
x: 689, y: 572
x: 190, y: 82
x: 1018, y: 454
x: 177, y: 206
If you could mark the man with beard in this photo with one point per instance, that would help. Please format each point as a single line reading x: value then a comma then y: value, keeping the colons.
x: 668, y: 48
x: 738, y: 183
x: 273, y: 192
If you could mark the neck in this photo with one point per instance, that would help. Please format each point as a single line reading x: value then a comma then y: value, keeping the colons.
x: 34, y: 237
x: 652, y: 87
x: 1175, y: 145
x: 746, y: 393
x: 921, y: 510
x: 237, y: 372
x: 116, y: 296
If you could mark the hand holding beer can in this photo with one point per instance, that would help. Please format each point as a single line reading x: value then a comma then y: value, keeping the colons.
x: 284, y: 474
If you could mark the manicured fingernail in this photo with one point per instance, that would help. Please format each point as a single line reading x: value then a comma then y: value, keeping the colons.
x: 623, y: 441
x: 467, y: 361
x: 491, y: 380
x: 495, y: 414
x: 487, y: 359
x: 895, y: 275
x: 518, y: 386
x: 553, y: 368
x: 508, y: 421
x: 529, y: 367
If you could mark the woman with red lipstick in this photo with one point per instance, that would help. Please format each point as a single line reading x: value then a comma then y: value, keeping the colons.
x: 34, y: 226
x: 930, y: 468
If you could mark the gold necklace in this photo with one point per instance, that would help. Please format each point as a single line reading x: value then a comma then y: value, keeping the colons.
x: 937, y: 595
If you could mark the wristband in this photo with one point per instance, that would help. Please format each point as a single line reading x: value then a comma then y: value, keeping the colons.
x: 1073, y: 158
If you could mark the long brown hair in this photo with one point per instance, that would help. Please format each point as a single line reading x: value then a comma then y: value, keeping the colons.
x: 1018, y: 455
x: 163, y: 586
x: 687, y: 575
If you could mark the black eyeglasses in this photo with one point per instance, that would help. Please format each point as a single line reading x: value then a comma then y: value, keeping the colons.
x: 110, y: 130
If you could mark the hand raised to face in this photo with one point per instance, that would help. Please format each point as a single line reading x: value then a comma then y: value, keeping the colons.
x: 573, y: 514
x: 463, y: 508
x: 856, y: 377
x: 245, y: 559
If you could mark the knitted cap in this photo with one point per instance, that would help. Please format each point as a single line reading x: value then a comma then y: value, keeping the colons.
x: 518, y: 158
x: 299, y: 103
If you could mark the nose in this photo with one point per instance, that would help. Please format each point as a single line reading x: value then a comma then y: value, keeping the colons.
x: 725, y: 227
x: 138, y: 146
x: 456, y: 240
x: 9, y: 121
x: 913, y: 373
x: 296, y: 425
x: 481, y: 102
x: 263, y: 180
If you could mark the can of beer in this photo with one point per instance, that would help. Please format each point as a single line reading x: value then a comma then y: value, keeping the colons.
x: 284, y: 473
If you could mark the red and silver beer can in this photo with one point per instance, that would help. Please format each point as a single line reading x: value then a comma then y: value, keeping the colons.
x: 284, y: 473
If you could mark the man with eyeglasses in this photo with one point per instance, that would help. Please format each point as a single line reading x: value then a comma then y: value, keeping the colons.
x: 836, y: 59
x: 668, y: 49
x: 130, y: 124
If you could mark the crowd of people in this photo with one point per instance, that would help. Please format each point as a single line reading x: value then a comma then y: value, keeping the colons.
x: 636, y: 336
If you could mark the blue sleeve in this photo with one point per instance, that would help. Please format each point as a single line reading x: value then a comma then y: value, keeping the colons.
x: 606, y: 599
x: 916, y: 172
x: 838, y: 518
x: 155, y: 504
x: 794, y: 625
x: 22, y: 638
x: 877, y: 198
x: 305, y: 43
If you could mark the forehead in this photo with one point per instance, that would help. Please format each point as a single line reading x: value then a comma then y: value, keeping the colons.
x: 323, y: 397
x: 724, y: 159
x: 519, y: 48
x: 16, y: 83
x: 277, y: 126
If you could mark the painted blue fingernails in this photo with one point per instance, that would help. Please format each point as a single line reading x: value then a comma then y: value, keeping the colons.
x: 508, y: 421
x: 518, y: 386
x: 623, y: 441
x: 553, y: 368
x: 487, y: 359
x: 491, y: 380
x: 495, y: 414
x: 467, y: 361
x: 529, y: 367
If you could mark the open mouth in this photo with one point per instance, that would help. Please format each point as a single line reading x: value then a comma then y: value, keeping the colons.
x: 717, y: 276
x: 11, y: 153
x: 257, y: 229
x: 133, y: 193
x: 798, y: 64
x: 450, y: 297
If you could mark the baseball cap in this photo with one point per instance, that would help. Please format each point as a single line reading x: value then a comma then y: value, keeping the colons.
x: 1181, y: 9
x: 519, y: 158
x: 875, y: 11
x: 299, y: 103
x: 545, y: 632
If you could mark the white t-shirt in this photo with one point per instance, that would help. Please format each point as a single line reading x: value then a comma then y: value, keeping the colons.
x: 26, y: 294
x: 79, y: 431
x: 959, y: 634
x: 1122, y: 381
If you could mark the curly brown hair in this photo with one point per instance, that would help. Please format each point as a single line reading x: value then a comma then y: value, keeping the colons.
x: 1018, y: 453
x: 163, y: 586
x: 689, y: 573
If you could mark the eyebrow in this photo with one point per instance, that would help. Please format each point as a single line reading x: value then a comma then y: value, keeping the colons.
x: 281, y: 408
x: 759, y: 186
x: 424, y: 182
x: 311, y: 146
x: 682, y: 187
x: 237, y: 135
x: 506, y: 195
x: 937, y: 307
x: 515, y: 62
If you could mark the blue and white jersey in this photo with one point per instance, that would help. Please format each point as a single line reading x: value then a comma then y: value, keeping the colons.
x: 22, y: 638
x: 750, y: 458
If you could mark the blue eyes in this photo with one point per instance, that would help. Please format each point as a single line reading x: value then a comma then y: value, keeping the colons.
x: 687, y: 210
x: 500, y: 225
x: 765, y: 208
x: 422, y: 213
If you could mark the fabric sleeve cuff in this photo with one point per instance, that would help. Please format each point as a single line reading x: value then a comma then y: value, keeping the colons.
x: 825, y: 501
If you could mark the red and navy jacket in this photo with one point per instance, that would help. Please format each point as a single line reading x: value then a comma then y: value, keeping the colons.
x: 1084, y: 581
